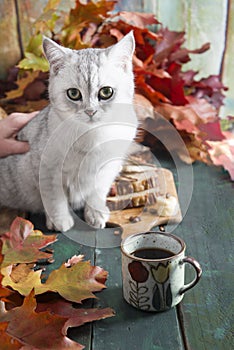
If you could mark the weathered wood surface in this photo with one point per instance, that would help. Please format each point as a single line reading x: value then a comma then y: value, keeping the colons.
x: 131, y: 328
x: 208, y: 230
x: 204, y: 319
x: 9, y: 44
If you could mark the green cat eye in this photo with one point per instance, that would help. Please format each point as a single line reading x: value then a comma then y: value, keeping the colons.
x: 105, y: 93
x: 74, y: 94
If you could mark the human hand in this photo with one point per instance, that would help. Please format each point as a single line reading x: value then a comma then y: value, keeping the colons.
x: 9, y: 127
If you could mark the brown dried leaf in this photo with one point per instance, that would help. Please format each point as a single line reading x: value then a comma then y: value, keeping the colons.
x: 44, y: 326
x: 39, y: 330
x: 7, y: 341
x: 22, y: 83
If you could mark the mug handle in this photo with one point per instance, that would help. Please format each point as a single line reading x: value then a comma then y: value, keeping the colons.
x: 198, y: 271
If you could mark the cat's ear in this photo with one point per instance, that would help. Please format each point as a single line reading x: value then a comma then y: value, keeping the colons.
x: 54, y: 53
x: 122, y: 52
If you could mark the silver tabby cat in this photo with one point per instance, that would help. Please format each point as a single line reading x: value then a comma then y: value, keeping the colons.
x: 78, y: 142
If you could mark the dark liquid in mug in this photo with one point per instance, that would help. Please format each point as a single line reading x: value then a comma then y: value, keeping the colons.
x: 152, y: 253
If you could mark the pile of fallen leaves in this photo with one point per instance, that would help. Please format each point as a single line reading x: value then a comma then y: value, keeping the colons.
x: 36, y: 314
x: 191, y: 105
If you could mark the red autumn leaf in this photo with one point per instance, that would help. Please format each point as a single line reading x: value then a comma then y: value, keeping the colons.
x: 76, y: 316
x: 170, y: 42
x: 210, y: 88
x: 172, y: 86
x: 21, y: 244
x: 146, y: 90
x: 211, y: 131
x: 46, y: 330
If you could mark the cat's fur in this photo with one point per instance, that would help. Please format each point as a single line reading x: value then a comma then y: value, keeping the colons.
x: 74, y: 156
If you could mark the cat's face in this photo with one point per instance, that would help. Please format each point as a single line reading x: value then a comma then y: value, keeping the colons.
x: 87, y: 83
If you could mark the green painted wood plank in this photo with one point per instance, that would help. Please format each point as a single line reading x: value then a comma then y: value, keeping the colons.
x: 29, y: 11
x: 171, y: 14
x: 205, y: 21
x: 10, y: 51
x: 130, y: 328
x: 126, y: 5
x: 208, y: 231
x: 228, y: 66
x: 149, y: 6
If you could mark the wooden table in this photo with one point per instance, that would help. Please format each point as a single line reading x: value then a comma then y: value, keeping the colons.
x: 203, y: 321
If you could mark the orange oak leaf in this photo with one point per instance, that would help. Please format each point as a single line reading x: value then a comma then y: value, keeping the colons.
x: 38, y: 330
x: 45, y: 326
x: 22, y: 244
x: 7, y: 341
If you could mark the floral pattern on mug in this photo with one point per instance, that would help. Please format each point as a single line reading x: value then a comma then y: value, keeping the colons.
x: 160, y: 273
x: 162, y: 295
x: 138, y: 271
x: 139, y: 274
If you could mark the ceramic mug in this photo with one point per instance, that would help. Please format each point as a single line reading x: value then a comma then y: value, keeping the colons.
x: 153, y: 270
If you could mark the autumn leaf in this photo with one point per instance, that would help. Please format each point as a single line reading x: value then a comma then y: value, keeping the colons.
x: 7, y: 341
x: 137, y: 19
x: 21, y: 278
x: 222, y: 153
x: 80, y: 18
x: 31, y: 61
x: 87, y: 279
x: 45, y: 326
x: 21, y: 244
x: 40, y: 330
x: 77, y: 316
x: 22, y: 84
x: 4, y: 292
x: 75, y: 283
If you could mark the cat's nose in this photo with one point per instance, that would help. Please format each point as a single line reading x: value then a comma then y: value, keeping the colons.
x: 90, y: 112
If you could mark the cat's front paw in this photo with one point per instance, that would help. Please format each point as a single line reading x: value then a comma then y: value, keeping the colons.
x: 61, y: 223
x: 95, y: 217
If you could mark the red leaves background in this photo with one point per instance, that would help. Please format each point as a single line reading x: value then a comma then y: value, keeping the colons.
x: 191, y: 105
